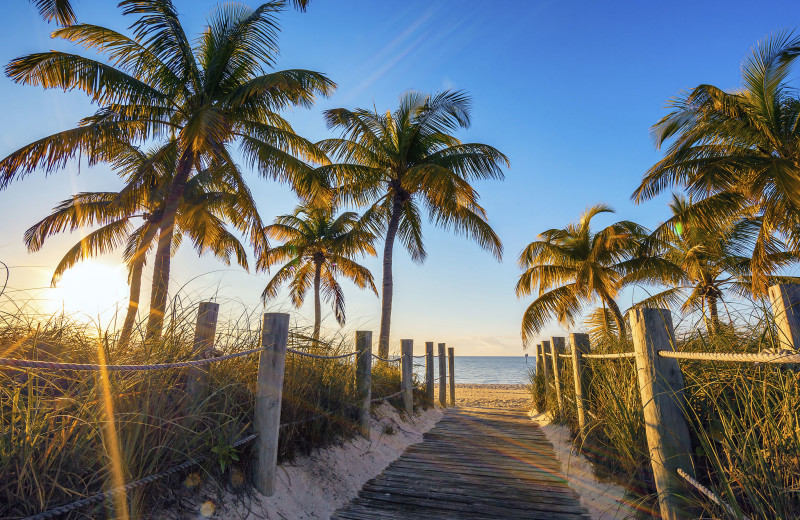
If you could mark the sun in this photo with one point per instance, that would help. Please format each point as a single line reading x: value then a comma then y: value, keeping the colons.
x: 91, y: 291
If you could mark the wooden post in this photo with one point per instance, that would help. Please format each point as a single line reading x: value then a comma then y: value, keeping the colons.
x: 204, y: 332
x: 364, y: 379
x: 269, y: 386
x: 661, y: 388
x: 580, y: 373
x: 558, y: 348
x: 546, y: 370
x: 785, y: 298
x: 451, y: 357
x: 442, y: 376
x: 407, y: 362
x: 540, y: 375
x: 429, y: 396
x: 539, y: 357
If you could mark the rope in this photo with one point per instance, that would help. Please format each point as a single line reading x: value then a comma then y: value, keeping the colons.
x: 317, y: 356
x: 789, y: 357
x: 27, y: 363
x: 99, y: 497
x: 707, y: 492
x: 565, y: 356
x: 387, y: 397
x: 611, y: 356
x: 395, y: 360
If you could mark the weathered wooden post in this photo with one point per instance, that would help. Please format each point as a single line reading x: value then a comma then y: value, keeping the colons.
x: 429, y: 395
x: 204, y: 332
x: 539, y: 357
x: 269, y: 386
x: 407, y: 367
x: 442, y: 376
x: 451, y: 357
x: 363, y: 379
x: 580, y: 373
x: 785, y: 298
x: 540, y: 400
x: 558, y: 348
x: 661, y: 388
x: 546, y: 370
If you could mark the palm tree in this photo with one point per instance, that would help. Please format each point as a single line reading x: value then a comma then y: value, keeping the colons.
x: 405, y: 161
x: 59, y: 10
x: 739, y: 152
x: 208, y: 96
x: 570, y: 267
x: 318, y: 247
x: 64, y: 14
x: 708, y: 261
x: 206, y: 203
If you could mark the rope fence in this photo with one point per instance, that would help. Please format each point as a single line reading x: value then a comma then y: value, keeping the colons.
x: 105, y: 495
x: 385, y: 360
x: 274, y: 336
x: 318, y: 356
x: 789, y: 357
x: 611, y: 356
x: 27, y: 363
x: 707, y: 492
x: 653, y: 339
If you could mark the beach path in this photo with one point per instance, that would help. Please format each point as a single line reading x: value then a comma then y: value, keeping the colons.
x: 476, y: 463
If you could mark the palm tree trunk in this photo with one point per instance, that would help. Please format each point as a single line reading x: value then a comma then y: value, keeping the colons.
x: 617, y: 317
x: 386, y: 298
x: 317, y: 306
x: 160, y: 288
x: 136, y: 286
x: 712, y: 322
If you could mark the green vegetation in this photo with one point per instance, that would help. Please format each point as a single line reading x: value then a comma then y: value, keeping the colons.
x: 56, y: 423
x: 156, y: 85
x: 318, y: 246
x: 407, y: 159
x: 736, y: 155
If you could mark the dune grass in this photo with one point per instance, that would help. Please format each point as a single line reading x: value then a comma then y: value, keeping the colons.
x: 67, y: 435
x: 743, y: 419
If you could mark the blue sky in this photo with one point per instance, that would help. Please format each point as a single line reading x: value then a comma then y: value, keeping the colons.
x: 567, y: 90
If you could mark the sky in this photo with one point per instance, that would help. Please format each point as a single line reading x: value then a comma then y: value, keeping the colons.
x: 567, y: 90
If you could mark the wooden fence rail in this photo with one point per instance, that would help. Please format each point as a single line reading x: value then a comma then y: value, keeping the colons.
x: 661, y: 386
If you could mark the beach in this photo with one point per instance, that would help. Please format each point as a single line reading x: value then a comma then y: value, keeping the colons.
x: 492, y: 395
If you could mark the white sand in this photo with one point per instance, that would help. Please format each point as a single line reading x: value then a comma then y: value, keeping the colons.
x: 605, y: 501
x: 316, y: 485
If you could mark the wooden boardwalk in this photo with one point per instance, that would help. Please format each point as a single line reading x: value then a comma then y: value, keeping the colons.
x: 476, y: 463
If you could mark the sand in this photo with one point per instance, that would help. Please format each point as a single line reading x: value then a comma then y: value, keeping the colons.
x: 496, y: 396
x: 316, y: 485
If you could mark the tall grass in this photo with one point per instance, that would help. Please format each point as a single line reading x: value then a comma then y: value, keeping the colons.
x: 67, y: 435
x: 743, y: 421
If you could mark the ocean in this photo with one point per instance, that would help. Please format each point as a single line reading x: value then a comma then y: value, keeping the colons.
x: 483, y: 369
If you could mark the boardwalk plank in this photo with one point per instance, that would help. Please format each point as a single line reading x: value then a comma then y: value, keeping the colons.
x: 475, y: 464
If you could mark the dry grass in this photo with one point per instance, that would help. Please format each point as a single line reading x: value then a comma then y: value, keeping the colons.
x: 59, y: 433
x: 744, y: 422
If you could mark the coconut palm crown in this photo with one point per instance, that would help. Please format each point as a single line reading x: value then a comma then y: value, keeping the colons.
x: 318, y: 247
x: 209, y: 95
x: 407, y: 162
x: 708, y: 261
x: 570, y: 267
x: 739, y: 152
x: 206, y: 204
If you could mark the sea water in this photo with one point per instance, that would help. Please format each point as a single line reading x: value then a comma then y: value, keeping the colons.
x: 483, y: 369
